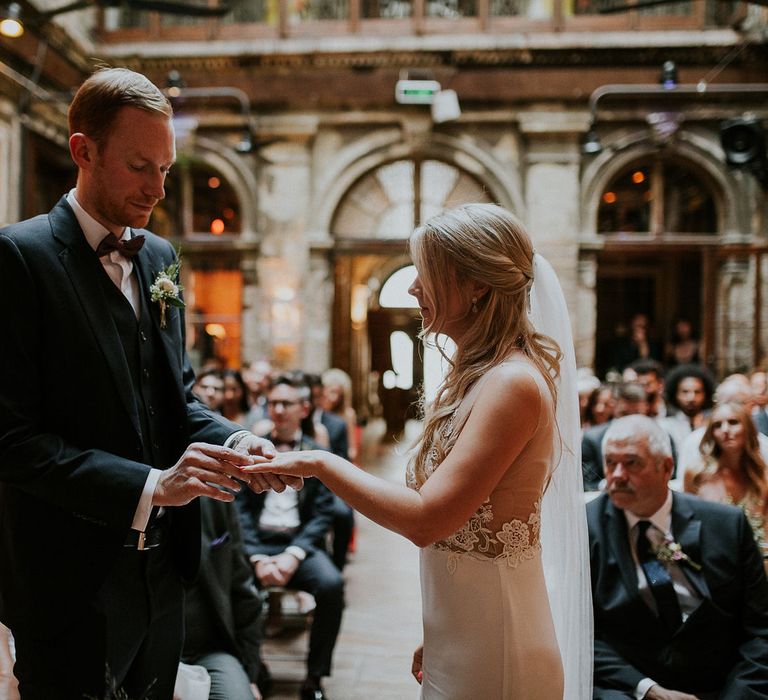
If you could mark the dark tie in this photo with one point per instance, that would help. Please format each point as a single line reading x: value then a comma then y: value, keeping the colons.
x: 658, y: 578
x: 127, y: 248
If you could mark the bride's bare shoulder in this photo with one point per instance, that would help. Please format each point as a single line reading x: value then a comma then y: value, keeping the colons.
x: 516, y: 377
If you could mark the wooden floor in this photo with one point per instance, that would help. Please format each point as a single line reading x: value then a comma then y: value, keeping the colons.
x: 382, y: 622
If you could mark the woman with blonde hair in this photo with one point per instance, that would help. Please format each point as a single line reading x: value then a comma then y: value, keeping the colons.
x: 337, y: 399
x: 731, y: 469
x: 493, y: 492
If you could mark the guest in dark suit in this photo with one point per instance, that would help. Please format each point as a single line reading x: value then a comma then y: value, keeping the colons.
x: 338, y: 438
x: 630, y: 399
x: 223, y: 609
x: 285, y: 534
x: 678, y: 585
x: 99, y: 521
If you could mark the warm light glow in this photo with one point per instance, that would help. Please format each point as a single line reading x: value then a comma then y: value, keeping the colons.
x: 217, y: 227
x: 359, y: 311
x: 609, y: 197
x: 12, y: 28
x: 216, y: 330
x: 638, y: 176
x: 214, y: 182
x: 228, y: 213
x: 647, y: 196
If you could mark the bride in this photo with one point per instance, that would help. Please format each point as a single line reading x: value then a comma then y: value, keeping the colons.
x: 493, y: 494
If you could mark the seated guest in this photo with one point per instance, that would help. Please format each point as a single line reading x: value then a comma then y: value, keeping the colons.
x: 331, y: 432
x: 223, y: 608
x: 758, y: 380
x: 650, y: 375
x: 678, y: 586
x: 689, y: 391
x: 284, y: 534
x: 601, y: 404
x: 235, y: 404
x: 732, y: 469
x: 630, y: 399
x: 209, y: 388
x: 733, y: 389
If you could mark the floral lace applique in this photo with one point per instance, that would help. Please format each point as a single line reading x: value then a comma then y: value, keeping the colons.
x: 521, y: 540
x: 469, y: 535
x: 516, y: 541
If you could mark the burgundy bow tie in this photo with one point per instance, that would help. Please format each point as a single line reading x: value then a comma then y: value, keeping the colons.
x: 127, y: 248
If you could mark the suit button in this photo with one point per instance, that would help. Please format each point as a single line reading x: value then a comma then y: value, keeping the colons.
x: 143, y: 336
x: 151, y: 411
x: 146, y: 374
x: 155, y: 445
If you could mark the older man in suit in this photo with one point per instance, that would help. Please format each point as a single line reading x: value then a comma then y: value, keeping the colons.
x: 285, y: 534
x: 679, y: 590
x: 103, y: 448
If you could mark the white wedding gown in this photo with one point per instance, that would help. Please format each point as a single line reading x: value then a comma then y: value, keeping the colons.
x: 488, y: 629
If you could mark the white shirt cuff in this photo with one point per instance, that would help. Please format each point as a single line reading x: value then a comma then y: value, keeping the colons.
x: 144, y: 509
x: 297, y: 552
x: 235, y: 438
x: 643, y: 687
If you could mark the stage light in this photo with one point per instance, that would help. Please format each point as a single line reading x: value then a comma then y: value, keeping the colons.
x: 591, y: 145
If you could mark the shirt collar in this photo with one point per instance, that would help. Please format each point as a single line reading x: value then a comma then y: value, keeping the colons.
x: 94, y: 231
x: 661, y: 519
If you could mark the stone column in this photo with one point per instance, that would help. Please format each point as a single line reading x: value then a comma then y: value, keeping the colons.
x: 735, y: 317
x: 552, y: 190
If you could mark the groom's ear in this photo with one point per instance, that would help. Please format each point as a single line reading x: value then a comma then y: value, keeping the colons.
x: 83, y: 151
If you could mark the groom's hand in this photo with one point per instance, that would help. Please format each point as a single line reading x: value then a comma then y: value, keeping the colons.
x: 252, y: 445
x: 203, y: 470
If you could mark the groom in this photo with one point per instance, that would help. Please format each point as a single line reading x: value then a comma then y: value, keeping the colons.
x: 104, y: 450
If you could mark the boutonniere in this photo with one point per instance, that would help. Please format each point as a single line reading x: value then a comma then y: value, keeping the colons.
x: 670, y: 550
x: 166, y: 290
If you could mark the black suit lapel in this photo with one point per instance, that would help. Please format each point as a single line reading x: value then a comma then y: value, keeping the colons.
x: 86, y: 273
x: 618, y: 539
x: 147, y: 264
x: 686, y: 529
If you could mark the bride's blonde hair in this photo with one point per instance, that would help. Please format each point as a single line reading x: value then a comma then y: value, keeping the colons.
x: 488, y: 245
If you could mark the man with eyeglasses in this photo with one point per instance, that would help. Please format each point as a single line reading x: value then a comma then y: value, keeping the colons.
x: 285, y: 533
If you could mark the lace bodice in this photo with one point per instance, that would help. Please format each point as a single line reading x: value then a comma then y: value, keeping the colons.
x: 507, y: 526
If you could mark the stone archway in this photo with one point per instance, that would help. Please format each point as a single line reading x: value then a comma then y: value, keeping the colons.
x: 370, y: 227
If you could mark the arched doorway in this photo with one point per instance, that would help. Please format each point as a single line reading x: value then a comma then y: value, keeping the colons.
x: 658, y: 219
x: 373, y: 332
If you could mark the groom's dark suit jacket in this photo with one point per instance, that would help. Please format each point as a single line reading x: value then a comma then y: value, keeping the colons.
x: 89, y: 399
x: 723, y: 646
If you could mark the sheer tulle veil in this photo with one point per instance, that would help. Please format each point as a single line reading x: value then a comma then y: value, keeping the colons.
x: 564, y: 539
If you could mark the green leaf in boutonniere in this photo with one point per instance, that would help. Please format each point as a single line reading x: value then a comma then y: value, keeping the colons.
x: 166, y: 290
x: 670, y: 551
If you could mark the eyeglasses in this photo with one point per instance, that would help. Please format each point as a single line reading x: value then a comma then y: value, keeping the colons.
x: 282, y: 403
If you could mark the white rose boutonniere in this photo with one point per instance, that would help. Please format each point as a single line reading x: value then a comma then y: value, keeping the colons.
x: 166, y: 290
x: 670, y: 550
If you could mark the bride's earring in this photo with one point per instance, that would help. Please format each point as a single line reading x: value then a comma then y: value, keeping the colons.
x: 474, y: 305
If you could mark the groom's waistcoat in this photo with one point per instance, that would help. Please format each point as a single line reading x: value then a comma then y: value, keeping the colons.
x: 153, y: 388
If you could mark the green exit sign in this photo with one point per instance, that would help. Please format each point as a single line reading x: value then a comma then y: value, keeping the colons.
x: 416, y: 92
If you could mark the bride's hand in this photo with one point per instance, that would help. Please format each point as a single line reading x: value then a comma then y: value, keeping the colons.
x: 416, y: 665
x: 298, y: 464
